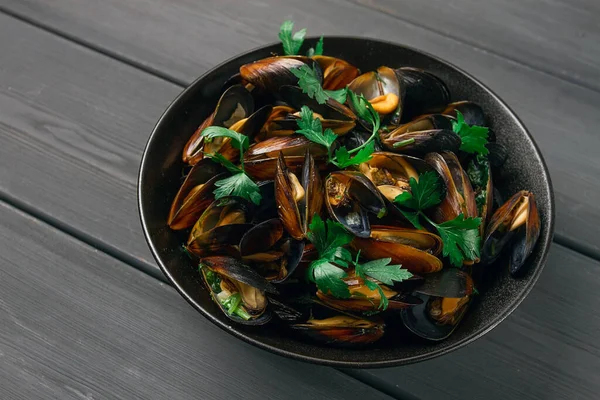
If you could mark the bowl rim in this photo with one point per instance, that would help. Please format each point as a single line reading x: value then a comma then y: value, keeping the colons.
x: 337, y: 363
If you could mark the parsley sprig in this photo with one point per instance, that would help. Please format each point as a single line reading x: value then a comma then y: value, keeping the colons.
x: 239, y: 183
x: 473, y: 138
x: 328, y: 271
x: 381, y: 271
x: 292, y: 42
x: 460, y: 236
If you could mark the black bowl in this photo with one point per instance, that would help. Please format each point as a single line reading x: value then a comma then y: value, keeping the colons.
x: 160, y: 178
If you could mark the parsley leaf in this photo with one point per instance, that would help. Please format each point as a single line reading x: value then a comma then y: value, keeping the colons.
x: 385, y: 273
x: 312, y: 129
x: 425, y: 193
x: 461, y: 239
x: 343, y: 160
x: 328, y: 278
x: 291, y: 42
x: 328, y: 238
x: 309, y: 83
x: 238, y: 185
x: 412, y: 216
x: 473, y: 138
x: 364, y: 110
x: 238, y: 140
x: 338, y: 95
x: 318, y: 50
x: 234, y: 169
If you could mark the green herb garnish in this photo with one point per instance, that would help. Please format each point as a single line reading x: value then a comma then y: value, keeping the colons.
x: 239, y: 184
x: 291, y: 41
x: 383, y: 272
x: 460, y: 236
x: 327, y: 271
x: 338, y: 95
x: 310, y: 84
x: 312, y: 129
x: 318, y: 50
x: 473, y: 138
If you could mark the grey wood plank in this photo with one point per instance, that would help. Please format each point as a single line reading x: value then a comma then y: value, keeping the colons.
x: 77, y: 324
x: 182, y: 39
x: 547, y: 349
x: 558, y: 37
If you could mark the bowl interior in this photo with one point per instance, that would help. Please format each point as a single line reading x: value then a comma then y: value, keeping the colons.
x: 161, y: 177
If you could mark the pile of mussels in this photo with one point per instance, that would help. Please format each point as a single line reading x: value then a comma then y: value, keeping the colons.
x: 261, y: 252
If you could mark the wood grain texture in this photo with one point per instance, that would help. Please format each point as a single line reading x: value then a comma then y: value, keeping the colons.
x: 557, y: 37
x: 547, y: 349
x: 77, y: 324
x: 182, y: 39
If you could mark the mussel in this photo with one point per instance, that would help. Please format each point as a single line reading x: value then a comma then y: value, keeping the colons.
x: 364, y: 299
x: 460, y: 198
x: 382, y: 89
x: 517, y: 225
x: 274, y: 255
x: 342, y: 330
x: 195, y: 194
x: 220, y: 227
x: 450, y: 283
x: 269, y: 74
x: 237, y: 289
x: 332, y: 114
x: 337, y: 73
x: 425, y: 93
x: 414, y: 249
x: 391, y: 172
x: 298, y: 200
x: 436, y: 318
x: 350, y: 196
x: 472, y: 112
x: 235, y: 104
x: 295, y: 145
x: 425, y: 134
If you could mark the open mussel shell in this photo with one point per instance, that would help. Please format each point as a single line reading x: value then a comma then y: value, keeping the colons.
x: 235, y: 104
x: 342, y: 330
x: 265, y: 246
x: 298, y: 200
x: 337, y: 73
x: 517, y: 225
x: 263, y: 169
x: 382, y: 89
x: 391, y: 172
x: 350, y: 196
x: 414, y: 249
x: 222, y: 212
x: 428, y: 133
x: 281, y: 122
x: 338, y: 327
x: 229, y: 276
x: 472, y: 112
x: 364, y: 299
x: 269, y: 74
x: 221, y: 240
x: 195, y: 194
x: 425, y: 93
x: 460, y: 198
x: 420, y: 321
x: 450, y: 282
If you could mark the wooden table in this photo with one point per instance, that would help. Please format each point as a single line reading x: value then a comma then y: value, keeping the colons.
x: 86, y: 314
